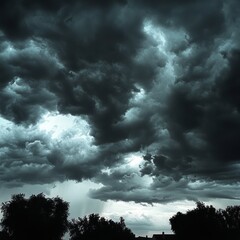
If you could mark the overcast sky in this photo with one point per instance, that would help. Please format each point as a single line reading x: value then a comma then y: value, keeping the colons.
x: 123, y: 108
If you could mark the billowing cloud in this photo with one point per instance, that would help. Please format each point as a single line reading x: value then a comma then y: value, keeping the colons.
x: 139, y: 96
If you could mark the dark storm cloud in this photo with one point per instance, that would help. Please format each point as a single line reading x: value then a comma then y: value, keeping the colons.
x: 29, y: 156
x: 24, y: 93
x: 154, y: 76
x: 202, y: 19
x: 207, y: 109
x: 23, y: 158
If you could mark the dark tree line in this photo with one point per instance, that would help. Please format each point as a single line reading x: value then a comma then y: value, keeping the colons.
x: 207, y: 223
x: 96, y: 227
x: 42, y: 218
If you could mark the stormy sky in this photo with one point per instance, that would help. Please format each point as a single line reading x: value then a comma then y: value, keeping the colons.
x: 127, y: 108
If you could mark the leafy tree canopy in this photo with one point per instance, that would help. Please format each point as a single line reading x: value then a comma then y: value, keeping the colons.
x: 96, y: 227
x: 205, y: 222
x: 35, y: 218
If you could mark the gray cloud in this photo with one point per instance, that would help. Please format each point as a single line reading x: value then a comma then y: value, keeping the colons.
x: 149, y: 77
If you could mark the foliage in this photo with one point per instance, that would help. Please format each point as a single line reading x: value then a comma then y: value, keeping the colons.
x: 46, y: 218
x: 232, y: 221
x: 96, y: 227
x: 4, y: 236
x: 205, y: 222
x: 35, y: 218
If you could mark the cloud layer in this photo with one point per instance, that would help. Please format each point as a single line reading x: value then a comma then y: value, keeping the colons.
x: 140, y: 96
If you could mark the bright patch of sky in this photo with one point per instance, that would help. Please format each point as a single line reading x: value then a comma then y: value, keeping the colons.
x: 134, y: 159
x: 71, y: 133
x: 77, y: 194
x: 145, y: 219
x: 138, y: 96
x: 58, y: 125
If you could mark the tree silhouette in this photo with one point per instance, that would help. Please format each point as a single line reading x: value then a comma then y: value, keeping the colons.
x: 96, y: 227
x: 4, y: 235
x: 205, y: 222
x: 35, y: 218
x: 232, y: 221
